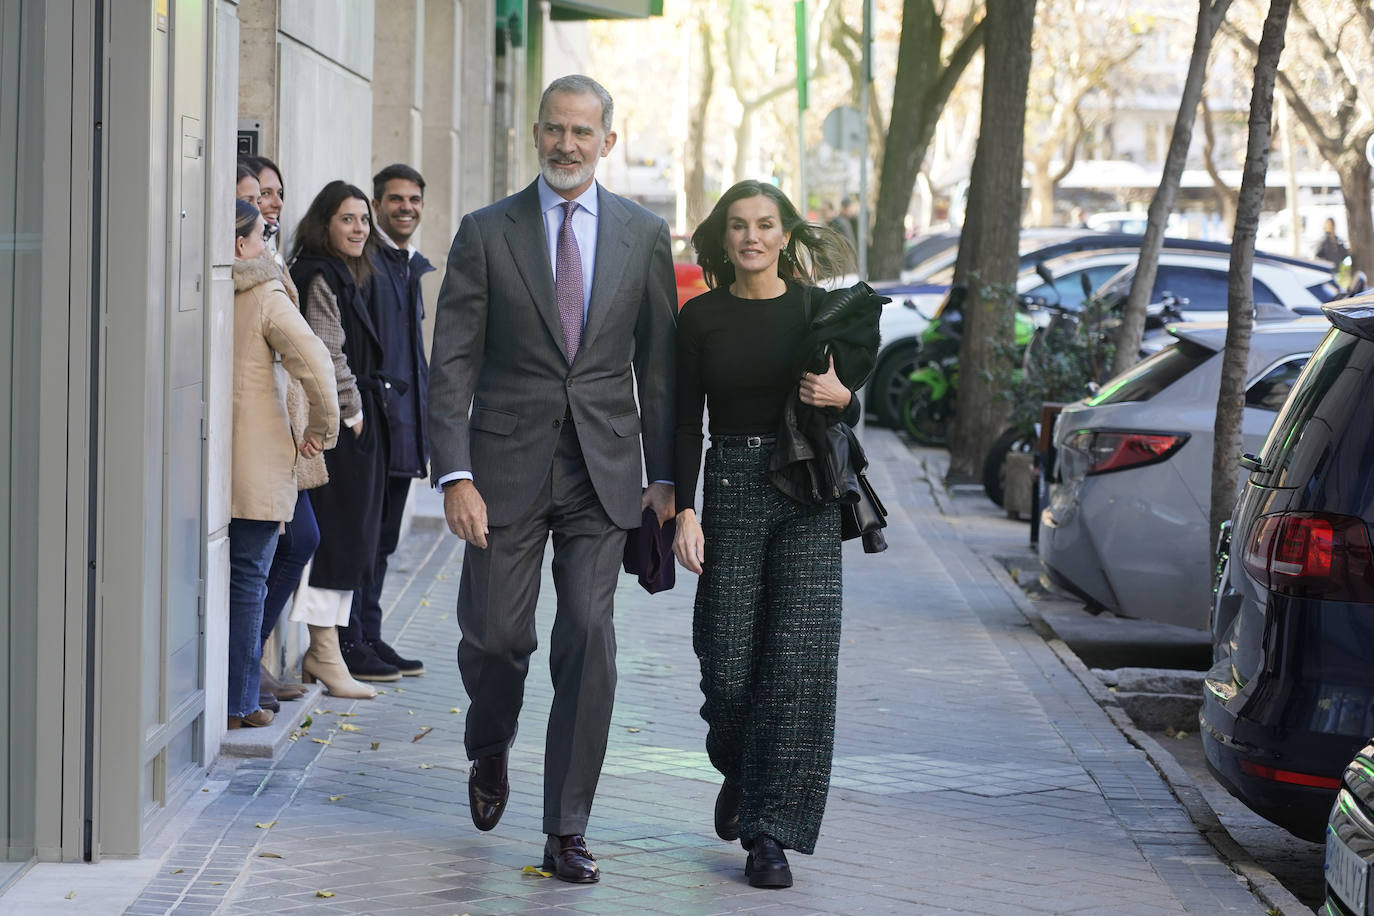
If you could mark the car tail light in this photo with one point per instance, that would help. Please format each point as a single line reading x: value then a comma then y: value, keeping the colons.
x: 1115, y: 451
x: 1312, y: 555
x: 1292, y: 777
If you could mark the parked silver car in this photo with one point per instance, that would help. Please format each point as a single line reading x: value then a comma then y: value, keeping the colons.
x: 1126, y: 526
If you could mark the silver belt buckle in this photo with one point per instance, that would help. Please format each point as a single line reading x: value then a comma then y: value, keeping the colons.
x: 754, y: 441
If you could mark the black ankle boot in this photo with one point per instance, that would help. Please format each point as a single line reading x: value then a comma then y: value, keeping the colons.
x: 767, y: 865
x: 364, y: 664
x: 410, y: 667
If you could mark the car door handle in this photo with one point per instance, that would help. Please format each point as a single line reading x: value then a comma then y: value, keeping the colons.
x: 1252, y: 463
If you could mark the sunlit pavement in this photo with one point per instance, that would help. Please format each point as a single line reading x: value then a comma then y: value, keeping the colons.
x: 973, y: 771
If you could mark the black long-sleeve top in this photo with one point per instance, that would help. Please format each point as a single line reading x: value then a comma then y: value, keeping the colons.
x: 739, y: 356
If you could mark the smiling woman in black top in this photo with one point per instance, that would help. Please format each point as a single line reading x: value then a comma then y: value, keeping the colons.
x: 766, y: 625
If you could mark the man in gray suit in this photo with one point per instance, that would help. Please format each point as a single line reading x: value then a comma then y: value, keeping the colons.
x: 557, y: 303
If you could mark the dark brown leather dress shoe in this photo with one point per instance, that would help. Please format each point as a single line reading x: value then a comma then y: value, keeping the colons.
x: 767, y: 864
x: 568, y: 858
x: 727, y: 811
x: 488, y: 790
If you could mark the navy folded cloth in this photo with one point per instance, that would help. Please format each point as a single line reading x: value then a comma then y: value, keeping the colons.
x: 649, y: 553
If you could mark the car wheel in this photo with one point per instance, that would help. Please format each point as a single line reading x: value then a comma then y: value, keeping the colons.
x: 927, y: 421
x: 887, y: 389
x: 995, y: 464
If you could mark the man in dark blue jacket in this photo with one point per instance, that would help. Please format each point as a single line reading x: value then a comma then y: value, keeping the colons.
x: 398, y: 193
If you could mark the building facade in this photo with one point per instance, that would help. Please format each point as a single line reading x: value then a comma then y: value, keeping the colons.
x: 121, y: 123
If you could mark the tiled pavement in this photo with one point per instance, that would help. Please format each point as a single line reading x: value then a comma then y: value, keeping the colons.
x: 973, y: 773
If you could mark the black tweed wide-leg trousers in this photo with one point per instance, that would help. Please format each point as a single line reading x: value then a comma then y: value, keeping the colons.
x: 766, y: 630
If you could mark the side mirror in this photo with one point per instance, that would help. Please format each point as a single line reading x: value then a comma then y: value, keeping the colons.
x: 1044, y: 273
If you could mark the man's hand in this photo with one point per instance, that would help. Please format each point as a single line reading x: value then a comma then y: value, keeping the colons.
x: 660, y: 497
x: 466, y: 513
x: 825, y: 390
x: 689, y: 544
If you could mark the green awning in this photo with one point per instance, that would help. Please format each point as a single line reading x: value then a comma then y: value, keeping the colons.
x: 605, y: 9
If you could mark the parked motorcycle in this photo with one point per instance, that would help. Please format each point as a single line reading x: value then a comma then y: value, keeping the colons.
x: 933, y: 387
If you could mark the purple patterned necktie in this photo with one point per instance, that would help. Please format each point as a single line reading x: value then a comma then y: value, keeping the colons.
x: 568, y: 282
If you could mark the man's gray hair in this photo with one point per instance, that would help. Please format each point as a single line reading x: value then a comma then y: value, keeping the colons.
x: 577, y: 84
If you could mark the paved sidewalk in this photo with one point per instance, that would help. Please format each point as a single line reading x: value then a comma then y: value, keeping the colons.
x: 973, y: 771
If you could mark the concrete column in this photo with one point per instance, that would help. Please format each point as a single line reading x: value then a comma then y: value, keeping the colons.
x: 476, y: 112
x: 257, y: 69
x: 398, y: 60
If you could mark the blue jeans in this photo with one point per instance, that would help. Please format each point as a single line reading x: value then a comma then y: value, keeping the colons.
x: 251, y: 544
x: 295, y: 547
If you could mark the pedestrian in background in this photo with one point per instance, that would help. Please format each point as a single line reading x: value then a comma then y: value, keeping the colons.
x: 766, y: 623
x: 1333, y: 247
x: 846, y: 222
x: 269, y: 336
x: 332, y: 266
x: 556, y: 309
x: 398, y: 200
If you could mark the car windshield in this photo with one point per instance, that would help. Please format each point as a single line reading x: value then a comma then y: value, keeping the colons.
x: 1324, y: 370
x: 1149, y: 377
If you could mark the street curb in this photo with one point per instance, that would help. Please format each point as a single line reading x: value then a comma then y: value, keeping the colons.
x: 1261, y: 883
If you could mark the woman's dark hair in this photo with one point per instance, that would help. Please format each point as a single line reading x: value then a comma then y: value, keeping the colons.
x: 813, y: 252
x: 259, y: 163
x: 245, y: 218
x: 312, y: 232
x: 244, y: 172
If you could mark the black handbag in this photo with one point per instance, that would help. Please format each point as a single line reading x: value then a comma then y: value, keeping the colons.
x: 862, y: 513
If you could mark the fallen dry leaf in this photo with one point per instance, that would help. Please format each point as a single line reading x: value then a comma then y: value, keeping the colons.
x: 71, y: 895
x: 335, y: 797
x: 410, y: 712
x: 453, y: 709
x: 423, y: 731
x: 632, y: 730
x: 535, y: 872
x: 267, y: 826
x: 324, y: 893
x: 321, y: 740
x: 376, y: 744
x: 349, y: 728
x: 426, y: 766
x: 269, y: 855
x: 179, y: 871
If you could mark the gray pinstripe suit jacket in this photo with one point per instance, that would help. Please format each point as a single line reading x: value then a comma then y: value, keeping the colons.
x: 500, y: 383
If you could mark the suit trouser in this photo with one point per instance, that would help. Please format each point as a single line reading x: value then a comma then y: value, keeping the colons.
x: 766, y: 630
x: 365, y: 621
x: 496, y: 613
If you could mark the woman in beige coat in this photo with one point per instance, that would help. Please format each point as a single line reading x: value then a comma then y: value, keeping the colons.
x: 271, y: 339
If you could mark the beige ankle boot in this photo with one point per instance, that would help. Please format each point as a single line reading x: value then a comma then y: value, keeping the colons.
x: 324, y: 663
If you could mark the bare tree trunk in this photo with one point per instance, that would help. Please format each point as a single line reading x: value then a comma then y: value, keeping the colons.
x: 919, y: 93
x: 697, y: 207
x: 1226, y: 198
x: 1041, y: 196
x: 1353, y: 170
x: 1340, y: 131
x: 1132, y: 329
x: 985, y: 351
x: 1239, y: 301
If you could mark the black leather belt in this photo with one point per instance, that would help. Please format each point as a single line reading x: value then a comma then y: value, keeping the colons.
x: 742, y: 441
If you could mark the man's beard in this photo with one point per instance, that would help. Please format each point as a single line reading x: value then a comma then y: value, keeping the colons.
x: 562, y: 180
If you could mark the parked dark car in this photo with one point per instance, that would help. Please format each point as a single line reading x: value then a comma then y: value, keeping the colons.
x: 1289, y: 699
x: 1350, y: 840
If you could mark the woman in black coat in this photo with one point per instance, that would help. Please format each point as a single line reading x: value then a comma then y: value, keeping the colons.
x: 331, y: 265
